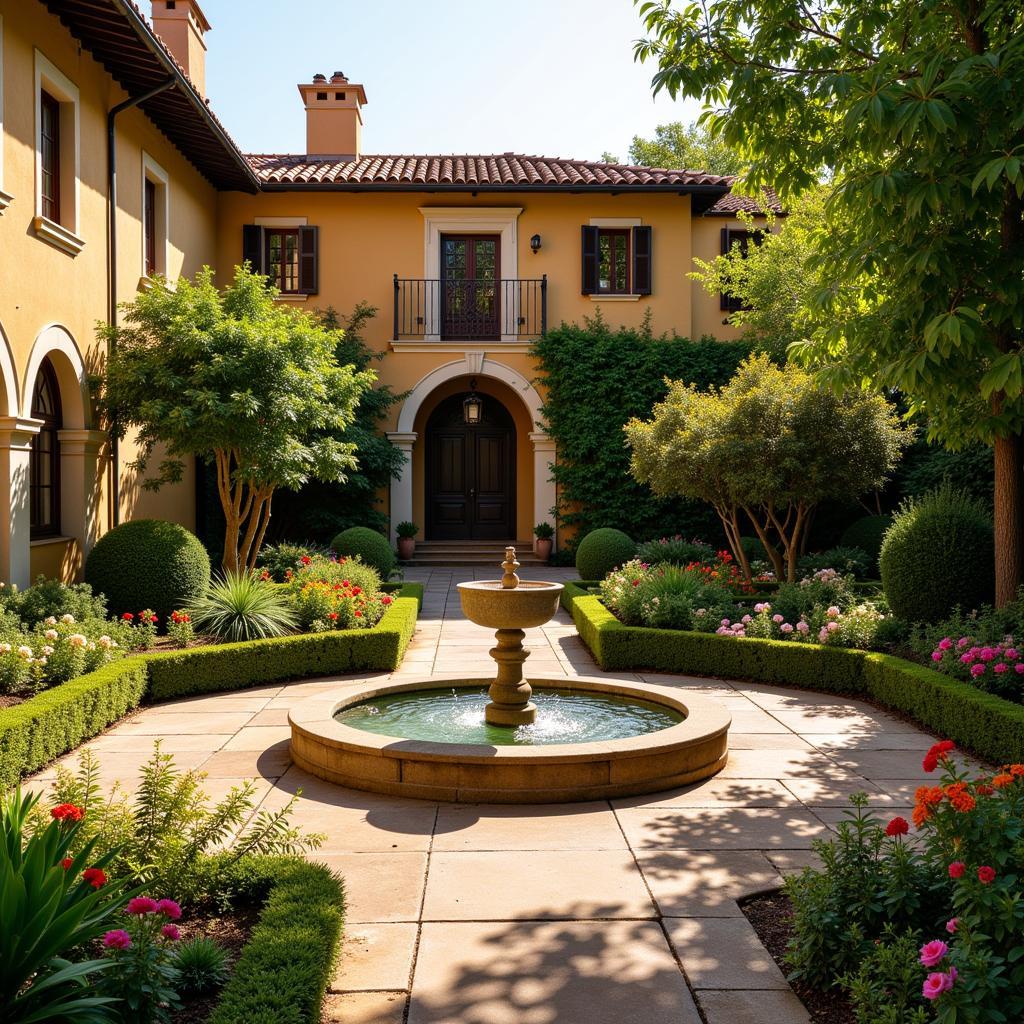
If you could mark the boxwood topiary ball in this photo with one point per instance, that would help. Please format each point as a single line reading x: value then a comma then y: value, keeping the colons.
x: 371, y: 546
x: 601, y: 551
x: 148, y: 563
x: 938, y: 553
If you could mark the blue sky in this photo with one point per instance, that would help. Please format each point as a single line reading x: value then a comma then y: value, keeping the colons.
x: 549, y: 77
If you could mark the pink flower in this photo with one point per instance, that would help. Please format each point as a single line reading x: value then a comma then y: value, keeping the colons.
x: 951, y: 925
x: 776, y: 618
x: 1019, y: 668
x: 785, y: 628
x: 986, y: 875
x: 803, y: 628
x: 169, y: 908
x: 170, y: 931
x: 963, y: 642
x: 746, y: 619
x: 935, y: 984
x: 936, y: 655
x: 986, y: 654
x: 141, y: 905
x: 945, y: 644
x: 725, y: 622
x: 1000, y: 667
x: 117, y: 939
x: 933, y: 952
x: 832, y: 612
x: 956, y: 869
x: 977, y: 670
x: 967, y: 657
x: 832, y: 626
x: 1012, y: 653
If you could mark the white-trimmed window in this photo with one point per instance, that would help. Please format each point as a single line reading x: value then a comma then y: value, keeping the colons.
x: 58, y: 156
x: 5, y: 198
x: 155, y: 217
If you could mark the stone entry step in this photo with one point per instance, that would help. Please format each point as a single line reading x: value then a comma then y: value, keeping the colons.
x: 471, y: 553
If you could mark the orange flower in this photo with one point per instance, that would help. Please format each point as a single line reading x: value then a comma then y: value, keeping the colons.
x: 933, y: 796
x: 1017, y: 769
x: 921, y: 814
x: 964, y: 803
x: 1002, y: 779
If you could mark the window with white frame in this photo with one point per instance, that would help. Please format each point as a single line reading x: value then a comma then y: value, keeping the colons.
x: 155, y: 220
x: 57, y: 157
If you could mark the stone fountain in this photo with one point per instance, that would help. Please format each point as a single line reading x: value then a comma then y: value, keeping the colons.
x: 509, y: 739
x: 510, y: 606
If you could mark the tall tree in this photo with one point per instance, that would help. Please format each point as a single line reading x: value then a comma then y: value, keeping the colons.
x: 678, y: 145
x: 914, y: 111
x: 233, y: 377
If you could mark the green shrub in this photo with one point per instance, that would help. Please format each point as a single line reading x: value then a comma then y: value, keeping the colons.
x: 753, y: 549
x: 285, y: 967
x: 603, y: 550
x: 371, y: 547
x: 240, y: 606
x: 939, y: 553
x: 46, y: 598
x: 886, y: 987
x: 50, y: 724
x: 202, y: 965
x: 844, y: 560
x: 666, y: 596
x: 279, y: 558
x: 221, y: 667
x: 674, y: 550
x: 148, y: 563
x: 867, y: 534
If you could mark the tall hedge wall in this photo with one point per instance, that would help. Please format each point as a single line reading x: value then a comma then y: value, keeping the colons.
x: 596, y: 378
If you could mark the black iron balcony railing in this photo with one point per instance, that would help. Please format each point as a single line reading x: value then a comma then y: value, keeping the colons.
x: 469, y: 309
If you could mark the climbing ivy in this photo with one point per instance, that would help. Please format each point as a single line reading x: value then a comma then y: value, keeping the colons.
x: 595, y: 378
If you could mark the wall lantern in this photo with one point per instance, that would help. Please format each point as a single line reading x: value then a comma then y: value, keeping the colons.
x: 535, y: 244
x: 472, y: 407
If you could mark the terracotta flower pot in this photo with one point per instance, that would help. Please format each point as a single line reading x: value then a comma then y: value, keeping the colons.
x: 542, y: 547
x: 406, y: 548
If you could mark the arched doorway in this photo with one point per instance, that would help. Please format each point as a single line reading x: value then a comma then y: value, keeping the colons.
x: 471, y: 472
x: 44, y: 460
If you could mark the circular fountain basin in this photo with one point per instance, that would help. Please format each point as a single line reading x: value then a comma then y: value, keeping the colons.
x: 678, y: 738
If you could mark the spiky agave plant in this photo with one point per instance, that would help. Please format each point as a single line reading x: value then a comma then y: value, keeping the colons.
x: 241, y: 606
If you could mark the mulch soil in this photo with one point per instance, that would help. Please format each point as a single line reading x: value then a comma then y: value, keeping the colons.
x: 772, y: 919
x: 231, y: 930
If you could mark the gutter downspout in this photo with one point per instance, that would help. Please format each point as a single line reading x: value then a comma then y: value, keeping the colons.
x: 132, y: 101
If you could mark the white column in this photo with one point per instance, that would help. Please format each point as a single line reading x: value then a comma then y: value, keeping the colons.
x: 16, y: 435
x: 79, y: 486
x: 544, y: 494
x: 401, y: 486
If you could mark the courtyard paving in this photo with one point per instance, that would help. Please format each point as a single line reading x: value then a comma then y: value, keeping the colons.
x: 606, y: 912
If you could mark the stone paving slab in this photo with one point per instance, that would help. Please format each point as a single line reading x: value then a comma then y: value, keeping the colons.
x: 444, y: 900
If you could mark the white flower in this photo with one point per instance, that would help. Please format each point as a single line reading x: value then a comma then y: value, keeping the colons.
x: 77, y: 640
x: 51, y: 634
x: 25, y: 652
x: 5, y: 648
x: 50, y: 620
x: 47, y: 650
x: 90, y: 646
x: 39, y: 661
x: 67, y: 617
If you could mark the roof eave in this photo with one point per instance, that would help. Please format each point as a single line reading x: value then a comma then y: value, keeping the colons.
x: 383, y: 186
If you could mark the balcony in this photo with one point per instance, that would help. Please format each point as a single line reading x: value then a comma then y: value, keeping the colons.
x: 471, y: 309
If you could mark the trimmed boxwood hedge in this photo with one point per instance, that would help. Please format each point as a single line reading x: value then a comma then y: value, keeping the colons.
x: 56, y: 721
x: 977, y: 721
x: 284, y: 969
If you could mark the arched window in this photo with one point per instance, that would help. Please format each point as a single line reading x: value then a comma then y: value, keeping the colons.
x: 44, y: 464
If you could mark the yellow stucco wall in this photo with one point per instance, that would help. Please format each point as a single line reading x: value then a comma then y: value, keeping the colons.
x: 41, y: 285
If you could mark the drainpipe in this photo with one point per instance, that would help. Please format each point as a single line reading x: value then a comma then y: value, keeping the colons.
x: 132, y: 101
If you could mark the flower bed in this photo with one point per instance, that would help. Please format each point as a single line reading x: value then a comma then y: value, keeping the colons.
x: 982, y: 722
x: 57, y: 720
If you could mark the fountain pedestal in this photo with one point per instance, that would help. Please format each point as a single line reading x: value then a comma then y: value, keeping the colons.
x: 510, y: 693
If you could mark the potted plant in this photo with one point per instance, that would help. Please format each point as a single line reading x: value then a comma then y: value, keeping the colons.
x: 406, y: 539
x: 544, y: 532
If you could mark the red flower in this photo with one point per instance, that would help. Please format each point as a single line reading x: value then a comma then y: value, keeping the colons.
x: 385, y: 599
x: 333, y: 616
x: 305, y: 559
x: 94, y: 876
x: 66, y: 863
x: 956, y: 869
x: 153, y: 618
x: 359, y: 615
x: 128, y: 617
x: 986, y: 875
x: 937, y: 753
x: 66, y: 812
x: 357, y: 590
x: 897, y: 827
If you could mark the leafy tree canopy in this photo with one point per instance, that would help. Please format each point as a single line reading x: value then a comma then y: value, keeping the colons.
x: 248, y: 385
x: 676, y: 145
x: 914, y: 111
x: 772, y: 444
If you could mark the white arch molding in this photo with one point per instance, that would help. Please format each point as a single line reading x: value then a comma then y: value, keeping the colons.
x: 16, y: 435
x: 474, y: 364
x: 79, y: 448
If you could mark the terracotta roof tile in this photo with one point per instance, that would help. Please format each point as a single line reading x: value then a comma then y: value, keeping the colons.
x: 509, y: 170
x: 730, y: 204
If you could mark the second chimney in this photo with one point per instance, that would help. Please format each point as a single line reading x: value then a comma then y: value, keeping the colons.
x: 182, y: 26
x: 334, y: 119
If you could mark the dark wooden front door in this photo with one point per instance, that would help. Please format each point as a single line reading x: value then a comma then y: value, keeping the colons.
x: 471, y: 473
x: 470, y: 286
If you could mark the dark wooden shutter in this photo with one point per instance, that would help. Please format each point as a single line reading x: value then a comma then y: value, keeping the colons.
x: 725, y: 301
x: 252, y: 247
x: 643, y: 269
x: 309, y: 260
x: 591, y: 260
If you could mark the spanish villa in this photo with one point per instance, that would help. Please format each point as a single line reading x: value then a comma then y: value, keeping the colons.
x: 114, y: 169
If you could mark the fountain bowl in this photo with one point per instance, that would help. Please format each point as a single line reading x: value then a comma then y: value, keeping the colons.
x: 529, y: 604
x: 693, y: 749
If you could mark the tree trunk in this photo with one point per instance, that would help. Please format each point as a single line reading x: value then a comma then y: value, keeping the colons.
x: 1009, y: 517
x: 731, y: 526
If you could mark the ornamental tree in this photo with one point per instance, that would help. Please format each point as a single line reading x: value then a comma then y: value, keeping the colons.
x: 913, y: 111
x: 232, y: 377
x: 769, y: 446
x: 679, y: 145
